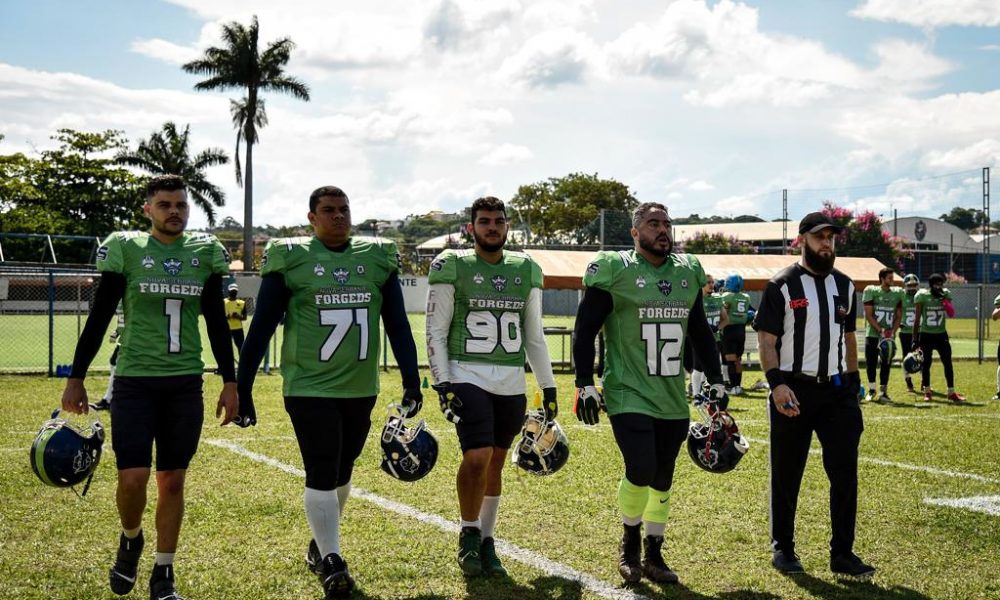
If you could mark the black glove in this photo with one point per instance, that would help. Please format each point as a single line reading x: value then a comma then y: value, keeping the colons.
x: 853, y: 382
x: 449, y: 400
x: 588, y: 404
x: 549, y: 403
x: 412, y: 402
x: 247, y: 414
x: 717, y: 394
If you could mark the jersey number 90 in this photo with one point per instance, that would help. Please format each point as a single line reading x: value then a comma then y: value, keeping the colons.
x: 487, y: 331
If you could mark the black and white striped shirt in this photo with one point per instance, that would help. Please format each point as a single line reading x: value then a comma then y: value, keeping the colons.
x: 811, y: 315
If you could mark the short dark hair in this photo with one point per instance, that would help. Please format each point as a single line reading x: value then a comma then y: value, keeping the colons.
x: 885, y: 271
x: 640, y: 212
x: 935, y: 278
x: 327, y: 190
x: 487, y: 203
x: 164, y: 183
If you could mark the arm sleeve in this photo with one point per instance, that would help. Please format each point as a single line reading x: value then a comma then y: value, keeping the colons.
x: 440, y: 308
x: 770, y: 316
x: 535, y: 348
x: 590, y: 315
x: 272, y: 300
x: 703, y: 341
x: 397, y: 327
x: 110, y: 291
x: 214, y: 311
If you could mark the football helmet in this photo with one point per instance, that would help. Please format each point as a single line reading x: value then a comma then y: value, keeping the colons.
x: 715, y: 443
x: 734, y: 282
x: 543, y: 448
x: 408, y: 451
x: 886, y: 350
x: 914, y: 361
x: 63, y: 453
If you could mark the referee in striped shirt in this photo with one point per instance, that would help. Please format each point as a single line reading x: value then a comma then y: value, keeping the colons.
x: 805, y: 327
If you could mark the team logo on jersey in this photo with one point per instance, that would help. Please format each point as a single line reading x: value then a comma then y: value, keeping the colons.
x: 438, y: 264
x: 797, y: 303
x: 478, y: 278
x: 499, y: 282
x: 319, y: 270
x: 195, y: 262
x: 665, y: 286
x: 102, y: 253
x: 148, y: 262
x: 593, y: 267
x: 640, y: 282
x: 684, y: 283
x: 361, y: 269
x: 172, y: 266
x: 517, y: 280
x: 341, y: 275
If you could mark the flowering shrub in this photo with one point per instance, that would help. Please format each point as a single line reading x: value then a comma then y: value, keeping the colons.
x: 703, y: 242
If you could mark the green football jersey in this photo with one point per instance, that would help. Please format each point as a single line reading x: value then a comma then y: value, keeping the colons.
x: 331, y: 342
x: 909, y: 313
x: 737, y: 304
x: 713, y: 312
x: 490, y: 303
x: 645, y: 331
x: 884, y: 305
x: 932, y: 315
x: 162, y: 299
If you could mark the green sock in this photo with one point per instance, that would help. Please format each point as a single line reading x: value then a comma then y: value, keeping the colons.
x: 632, y: 499
x: 657, y: 506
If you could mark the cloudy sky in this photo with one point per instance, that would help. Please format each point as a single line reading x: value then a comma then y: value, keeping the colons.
x: 710, y: 107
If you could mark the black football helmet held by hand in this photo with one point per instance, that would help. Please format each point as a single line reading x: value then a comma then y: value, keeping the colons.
x: 408, y: 451
x: 914, y: 361
x: 543, y: 448
x: 715, y: 442
x: 63, y: 453
x: 886, y: 350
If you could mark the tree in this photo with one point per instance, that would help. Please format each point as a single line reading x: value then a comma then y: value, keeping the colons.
x: 76, y: 189
x: 863, y: 236
x: 561, y: 208
x: 703, y: 242
x: 964, y: 218
x: 239, y: 64
x: 167, y: 152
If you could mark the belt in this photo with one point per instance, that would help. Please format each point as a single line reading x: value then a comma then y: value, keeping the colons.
x: 823, y: 379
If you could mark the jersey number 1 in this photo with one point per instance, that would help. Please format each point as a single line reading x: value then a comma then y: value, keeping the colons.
x: 342, y: 319
x: 172, y: 309
x: 663, y: 360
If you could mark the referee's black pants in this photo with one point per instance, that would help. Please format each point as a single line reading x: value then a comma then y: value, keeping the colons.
x: 834, y: 414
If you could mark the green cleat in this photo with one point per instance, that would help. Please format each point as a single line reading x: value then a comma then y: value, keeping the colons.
x: 489, y: 558
x: 469, y: 542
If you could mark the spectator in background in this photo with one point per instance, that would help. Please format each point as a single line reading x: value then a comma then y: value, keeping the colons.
x: 236, y: 313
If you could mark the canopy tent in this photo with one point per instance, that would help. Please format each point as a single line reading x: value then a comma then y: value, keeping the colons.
x: 564, y: 269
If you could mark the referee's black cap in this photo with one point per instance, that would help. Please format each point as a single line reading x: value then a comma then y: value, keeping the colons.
x: 817, y: 221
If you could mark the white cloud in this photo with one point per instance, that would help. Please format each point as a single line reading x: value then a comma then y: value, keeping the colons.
x: 991, y: 47
x: 506, y: 154
x: 551, y: 59
x: 984, y: 153
x: 701, y: 186
x: 736, y: 205
x: 906, y: 65
x: 165, y: 51
x: 932, y: 13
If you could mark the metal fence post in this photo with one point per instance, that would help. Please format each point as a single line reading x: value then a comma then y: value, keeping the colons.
x: 52, y: 316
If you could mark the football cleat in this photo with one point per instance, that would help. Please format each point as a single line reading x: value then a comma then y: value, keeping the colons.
x: 161, y: 584
x: 408, y: 451
x: 469, y: 546
x: 870, y: 396
x: 313, y: 559
x: 851, y: 565
x: 122, y: 575
x: 629, y: 566
x: 336, y: 579
x: 715, y: 443
x: 64, y: 454
x: 543, y: 448
x: 928, y: 395
x: 884, y: 398
x: 914, y: 361
x: 489, y: 558
x: 956, y: 397
x: 653, y: 566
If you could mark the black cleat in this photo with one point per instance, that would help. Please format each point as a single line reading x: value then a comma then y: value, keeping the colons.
x: 653, y: 566
x: 850, y: 564
x: 469, y: 544
x: 786, y: 562
x: 161, y: 584
x: 490, y: 560
x: 102, y: 404
x: 122, y: 574
x: 337, y: 582
x: 313, y: 559
x: 628, y: 554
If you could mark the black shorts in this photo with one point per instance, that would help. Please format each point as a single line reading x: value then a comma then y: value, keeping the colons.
x: 331, y: 433
x: 488, y: 420
x: 167, y: 410
x: 734, y: 339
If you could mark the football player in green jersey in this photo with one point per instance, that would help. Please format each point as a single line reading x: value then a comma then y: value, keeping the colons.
x: 164, y: 279
x: 648, y: 300
x: 910, y: 286
x: 932, y: 308
x: 734, y: 335
x: 883, y: 309
x: 995, y: 316
x: 484, y: 318
x: 718, y: 319
x: 332, y: 289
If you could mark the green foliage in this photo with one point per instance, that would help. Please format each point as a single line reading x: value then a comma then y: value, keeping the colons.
x: 564, y: 209
x: 75, y: 189
x: 966, y: 219
x: 167, y: 152
x: 696, y: 219
x: 716, y: 243
x: 423, y: 227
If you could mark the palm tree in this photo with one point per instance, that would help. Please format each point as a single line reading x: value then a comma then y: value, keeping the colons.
x: 167, y: 152
x: 238, y: 64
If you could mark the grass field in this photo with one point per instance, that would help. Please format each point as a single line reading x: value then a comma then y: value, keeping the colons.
x: 245, y: 532
x: 27, y: 349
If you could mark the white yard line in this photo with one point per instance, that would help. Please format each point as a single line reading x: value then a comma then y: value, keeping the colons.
x: 983, y: 504
x: 522, y: 555
x: 904, y: 466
